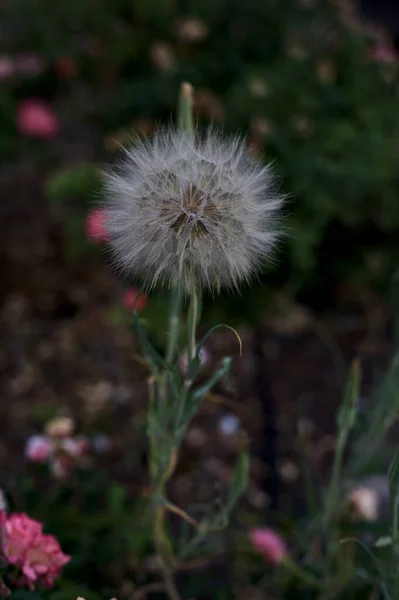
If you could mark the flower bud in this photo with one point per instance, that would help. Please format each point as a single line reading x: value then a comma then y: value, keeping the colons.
x: 269, y: 544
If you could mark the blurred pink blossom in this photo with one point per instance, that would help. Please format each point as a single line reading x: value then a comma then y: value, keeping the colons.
x: 7, y: 67
x: 385, y: 53
x: 39, y: 448
x: 96, y: 226
x: 38, y: 556
x: 35, y: 118
x: 269, y: 544
x: 75, y: 447
x: 130, y: 302
x: 29, y: 64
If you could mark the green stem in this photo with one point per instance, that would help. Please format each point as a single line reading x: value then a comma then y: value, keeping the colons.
x: 163, y: 552
x: 164, y: 409
x: 395, y: 540
x: 174, y: 323
x: 299, y: 573
x: 192, y: 320
x: 333, y: 492
x: 185, y: 121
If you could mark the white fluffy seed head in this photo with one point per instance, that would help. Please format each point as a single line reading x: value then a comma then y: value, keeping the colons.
x: 190, y: 211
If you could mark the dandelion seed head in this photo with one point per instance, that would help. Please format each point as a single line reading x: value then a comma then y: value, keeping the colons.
x: 190, y: 211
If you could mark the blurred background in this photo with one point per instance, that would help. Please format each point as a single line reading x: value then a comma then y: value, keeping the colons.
x: 313, y: 85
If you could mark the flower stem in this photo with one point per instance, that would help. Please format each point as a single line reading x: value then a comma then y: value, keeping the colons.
x: 185, y: 110
x: 163, y: 552
x: 192, y: 320
x: 168, y: 454
x: 174, y: 323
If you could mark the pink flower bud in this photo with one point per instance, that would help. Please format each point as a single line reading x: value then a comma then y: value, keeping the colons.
x: 269, y: 544
x: 131, y: 299
x: 96, y: 226
x: 35, y: 118
x: 38, y: 448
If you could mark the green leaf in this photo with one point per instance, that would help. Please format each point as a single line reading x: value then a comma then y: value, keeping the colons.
x: 153, y: 357
x: 240, y: 477
x: 385, y: 540
x: 393, y: 477
x: 200, y: 391
x: 209, y: 333
x: 116, y: 499
x: 73, y: 183
x: 348, y: 411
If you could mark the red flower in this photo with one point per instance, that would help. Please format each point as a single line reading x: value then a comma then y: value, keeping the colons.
x: 130, y: 302
x: 35, y: 118
x: 96, y: 226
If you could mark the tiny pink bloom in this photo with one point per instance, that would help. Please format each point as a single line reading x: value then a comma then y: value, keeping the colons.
x: 35, y: 118
x: 133, y: 299
x: 268, y: 543
x: 75, y: 447
x: 38, y: 556
x: 38, y: 448
x: 7, y: 67
x: 96, y: 226
x: 385, y: 53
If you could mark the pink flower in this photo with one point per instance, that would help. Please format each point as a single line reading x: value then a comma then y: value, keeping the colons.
x: 385, y: 53
x: 130, y: 302
x: 96, y: 226
x: 75, y: 447
x: 35, y: 118
x: 7, y: 67
x: 39, y: 448
x: 38, y: 556
x: 268, y: 543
